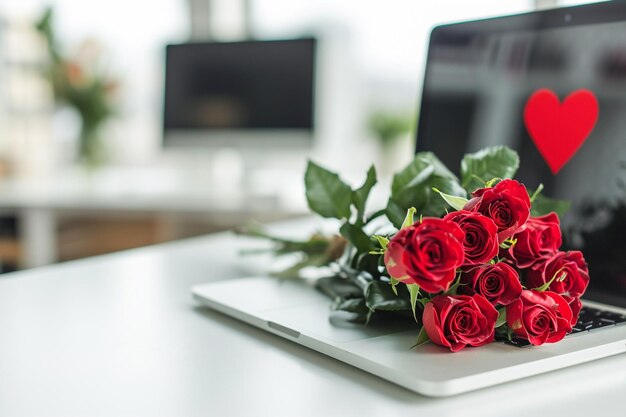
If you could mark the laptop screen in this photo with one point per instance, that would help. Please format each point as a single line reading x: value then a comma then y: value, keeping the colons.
x: 482, y: 81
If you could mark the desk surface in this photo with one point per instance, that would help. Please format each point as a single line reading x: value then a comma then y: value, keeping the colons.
x: 148, y: 190
x: 119, y: 335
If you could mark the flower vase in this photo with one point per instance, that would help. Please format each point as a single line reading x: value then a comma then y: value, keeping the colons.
x: 90, y: 152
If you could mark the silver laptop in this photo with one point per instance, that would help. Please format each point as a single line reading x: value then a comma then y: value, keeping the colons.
x: 478, y: 78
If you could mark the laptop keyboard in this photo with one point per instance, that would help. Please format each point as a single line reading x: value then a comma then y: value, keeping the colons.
x: 594, y: 318
x: 589, y: 319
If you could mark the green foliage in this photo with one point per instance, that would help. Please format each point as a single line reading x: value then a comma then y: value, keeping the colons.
x: 422, y: 337
x: 316, y: 251
x: 83, y: 85
x: 455, y: 202
x: 382, y: 241
x: 493, y: 162
x: 352, y: 305
x: 501, y: 320
x: 455, y: 285
x: 543, y: 205
x: 535, y: 193
x: 326, y: 193
x: 360, y: 195
x: 380, y: 296
x: 409, y: 219
x: 559, y: 276
x: 389, y: 127
x: 315, y: 244
x: 328, y: 196
x: 413, y: 187
x: 414, y: 291
x: 394, y: 283
x: 357, y: 237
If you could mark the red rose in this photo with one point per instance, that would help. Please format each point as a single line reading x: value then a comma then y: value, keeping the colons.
x: 570, y: 266
x: 481, y: 236
x: 426, y: 253
x: 575, y: 305
x: 458, y: 321
x: 540, y: 238
x: 539, y: 317
x: 507, y: 204
x: 498, y: 283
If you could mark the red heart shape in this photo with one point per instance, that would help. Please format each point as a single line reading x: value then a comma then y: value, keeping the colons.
x: 559, y: 130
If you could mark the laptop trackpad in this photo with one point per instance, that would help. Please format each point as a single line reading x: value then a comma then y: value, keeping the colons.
x: 317, y: 319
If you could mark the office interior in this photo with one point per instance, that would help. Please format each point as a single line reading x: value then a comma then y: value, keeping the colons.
x: 125, y: 124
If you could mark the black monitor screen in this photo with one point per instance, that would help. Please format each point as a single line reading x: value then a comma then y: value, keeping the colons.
x: 240, y: 85
x: 492, y: 82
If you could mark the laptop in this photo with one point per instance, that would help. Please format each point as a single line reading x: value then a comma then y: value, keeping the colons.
x: 478, y: 80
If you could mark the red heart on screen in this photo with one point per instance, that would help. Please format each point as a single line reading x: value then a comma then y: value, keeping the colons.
x: 559, y: 129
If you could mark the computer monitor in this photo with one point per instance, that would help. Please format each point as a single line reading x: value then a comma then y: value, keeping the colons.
x: 247, y: 94
x: 479, y: 78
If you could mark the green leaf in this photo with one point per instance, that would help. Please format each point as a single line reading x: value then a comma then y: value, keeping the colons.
x: 501, y: 317
x: 455, y: 285
x: 508, y: 243
x: 423, y: 301
x: 544, y: 205
x: 382, y: 241
x: 492, y: 182
x: 326, y: 194
x: 412, y: 187
x: 409, y: 219
x: 559, y: 275
x: 380, y: 296
x: 351, y: 305
x: 375, y: 215
x: 488, y: 163
x: 357, y: 237
x: 422, y: 337
x: 393, y: 283
x: 395, y: 213
x: 359, y: 196
x: 366, y: 262
x: 536, y: 193
x: 414, y: 290
x: 451, y: 186
x: 355, y: 306
x: 455, y: 202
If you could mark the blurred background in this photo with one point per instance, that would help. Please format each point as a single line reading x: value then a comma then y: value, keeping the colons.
x: 128, y: 123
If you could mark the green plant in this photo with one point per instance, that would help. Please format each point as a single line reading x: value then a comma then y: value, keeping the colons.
x: 82, y: 84
x: 389, y: 127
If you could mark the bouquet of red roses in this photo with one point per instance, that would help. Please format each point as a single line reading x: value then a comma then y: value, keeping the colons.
x: 489, y: 266
x: 471, y: 260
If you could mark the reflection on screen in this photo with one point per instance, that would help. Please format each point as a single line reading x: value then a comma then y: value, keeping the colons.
x: 476, y: 86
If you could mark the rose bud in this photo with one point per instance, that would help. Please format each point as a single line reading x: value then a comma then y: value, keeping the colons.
x: 569, y: 270
x: 460, y: 320
x: 539, y: 317
x: 575, y: 305
x: 481, y: 236
x: 498, y: 283
x: 540, y: 238
x: 426, y: 253
x: 507, y: 204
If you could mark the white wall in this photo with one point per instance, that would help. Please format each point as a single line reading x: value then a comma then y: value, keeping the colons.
x: 384, y: 43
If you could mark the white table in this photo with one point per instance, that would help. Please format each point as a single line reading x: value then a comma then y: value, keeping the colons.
x: 119, y: 335
x: 39, y: 202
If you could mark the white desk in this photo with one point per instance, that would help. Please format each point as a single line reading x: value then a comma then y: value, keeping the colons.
x: 39, y: 203
x: 119, y: 335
